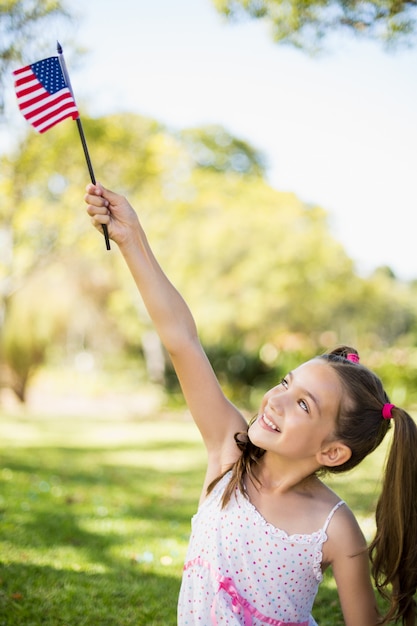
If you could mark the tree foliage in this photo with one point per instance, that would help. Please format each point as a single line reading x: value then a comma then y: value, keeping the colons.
x: 212, y: 148
x: 305, y: 24
x: 23, y: 24
x: 261, y: 270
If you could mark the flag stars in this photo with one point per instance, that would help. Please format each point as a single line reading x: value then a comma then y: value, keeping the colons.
x: 49, y: 74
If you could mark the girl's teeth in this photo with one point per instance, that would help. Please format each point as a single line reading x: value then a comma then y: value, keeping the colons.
x: 269, y: 423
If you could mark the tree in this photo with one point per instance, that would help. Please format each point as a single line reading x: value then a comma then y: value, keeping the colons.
x: 305, y: 24
x: 43, y: 227
x: 23, y: 24
x: 211, y: 147
x: 260, y: 268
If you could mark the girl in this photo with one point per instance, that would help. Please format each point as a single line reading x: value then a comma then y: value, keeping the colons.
x: 267, y: 526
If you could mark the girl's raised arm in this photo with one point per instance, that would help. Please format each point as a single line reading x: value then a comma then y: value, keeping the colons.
x: 214, y: 415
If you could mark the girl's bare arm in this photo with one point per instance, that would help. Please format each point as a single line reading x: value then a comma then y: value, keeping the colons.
x: 215, y: 416
x: 350, y: 564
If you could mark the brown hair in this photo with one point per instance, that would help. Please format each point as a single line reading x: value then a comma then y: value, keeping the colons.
x: 360, y: 425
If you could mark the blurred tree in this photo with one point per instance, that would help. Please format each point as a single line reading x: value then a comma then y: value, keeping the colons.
x: 43, y: 224
x: 260, y: 269
x: 23, y: 25
x: 306, y: 24
x: 211, y: 147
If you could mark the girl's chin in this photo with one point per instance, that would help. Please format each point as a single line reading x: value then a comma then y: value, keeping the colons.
x: 255, y: 434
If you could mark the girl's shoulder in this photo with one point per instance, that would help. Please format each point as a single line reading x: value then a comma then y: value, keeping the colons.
x: 326, y: 502
x: 340, y: 521
x: 344, y: 535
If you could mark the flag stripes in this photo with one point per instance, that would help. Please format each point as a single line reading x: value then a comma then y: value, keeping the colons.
x: 42, y: 94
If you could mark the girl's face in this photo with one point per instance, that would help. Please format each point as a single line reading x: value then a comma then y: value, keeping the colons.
x: 298, y: 417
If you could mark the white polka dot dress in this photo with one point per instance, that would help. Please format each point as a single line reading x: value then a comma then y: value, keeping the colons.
x: 242, y: 570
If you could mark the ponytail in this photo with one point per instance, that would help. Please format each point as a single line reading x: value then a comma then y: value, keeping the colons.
x: 362, y: 424
x: 393, y: 552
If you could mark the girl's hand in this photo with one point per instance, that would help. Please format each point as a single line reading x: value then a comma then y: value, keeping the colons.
x: 112, y: 209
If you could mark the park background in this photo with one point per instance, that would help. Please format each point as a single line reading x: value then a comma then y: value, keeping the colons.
x: 276, y: 187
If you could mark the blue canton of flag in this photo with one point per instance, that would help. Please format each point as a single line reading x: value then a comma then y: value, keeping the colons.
x: 49, y: 73
x: 43, y: 95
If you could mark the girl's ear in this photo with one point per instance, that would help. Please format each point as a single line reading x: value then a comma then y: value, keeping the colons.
x: 333, y: 454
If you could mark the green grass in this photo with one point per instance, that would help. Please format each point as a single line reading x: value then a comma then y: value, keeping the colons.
x: 95, y: 517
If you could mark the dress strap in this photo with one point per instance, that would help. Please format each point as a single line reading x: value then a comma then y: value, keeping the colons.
x: 330, y: 515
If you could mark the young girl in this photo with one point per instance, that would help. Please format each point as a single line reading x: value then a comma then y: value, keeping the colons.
x: 267, y: 526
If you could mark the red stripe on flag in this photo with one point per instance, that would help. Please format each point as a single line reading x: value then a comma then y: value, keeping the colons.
x: 24, y: 80
x: 27, y: 68
x: 33, y: 101
x: 54, y: 116
x: 51, y: 102
x: 21, y: 93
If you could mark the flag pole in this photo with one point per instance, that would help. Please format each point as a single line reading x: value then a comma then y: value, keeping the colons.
x: 81, y: 132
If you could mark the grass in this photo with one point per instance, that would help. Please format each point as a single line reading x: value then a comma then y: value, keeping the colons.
x: 95, y: 516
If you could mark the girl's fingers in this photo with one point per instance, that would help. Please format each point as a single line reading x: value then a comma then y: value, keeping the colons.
x: 99, y: 219
x: 95, y: 194
x: 96, y: 189
x: 96, y: 201
x: 97, y: 210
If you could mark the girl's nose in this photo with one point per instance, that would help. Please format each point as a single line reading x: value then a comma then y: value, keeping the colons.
x: 277, y: 402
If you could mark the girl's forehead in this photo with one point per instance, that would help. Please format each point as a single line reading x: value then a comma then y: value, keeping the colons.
x: 316, y: 371
x: 319, y: 378
x: 318, y: 366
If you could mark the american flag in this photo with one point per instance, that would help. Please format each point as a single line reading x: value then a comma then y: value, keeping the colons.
x: 43, y: 95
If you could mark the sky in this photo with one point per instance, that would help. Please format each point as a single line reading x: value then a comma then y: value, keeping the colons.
x: 339, y: 129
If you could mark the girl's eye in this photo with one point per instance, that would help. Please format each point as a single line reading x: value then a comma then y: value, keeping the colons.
x: 303, y: 405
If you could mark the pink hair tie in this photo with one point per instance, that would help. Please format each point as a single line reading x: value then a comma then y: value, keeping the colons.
x: 387, y: 411
x: 352, y: 357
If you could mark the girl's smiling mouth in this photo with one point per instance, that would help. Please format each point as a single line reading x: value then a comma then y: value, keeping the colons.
x: 265, y: 421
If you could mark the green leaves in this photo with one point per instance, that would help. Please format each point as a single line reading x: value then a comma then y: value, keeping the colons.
x: 306, y: 23
x: 258, y: 267
x: 25, y: 27
x: 212, y: 148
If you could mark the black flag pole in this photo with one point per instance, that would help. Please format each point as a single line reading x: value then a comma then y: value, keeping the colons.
x: 81, y: 132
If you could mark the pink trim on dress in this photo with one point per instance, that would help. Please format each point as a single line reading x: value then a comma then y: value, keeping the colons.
x: 238, y: 602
